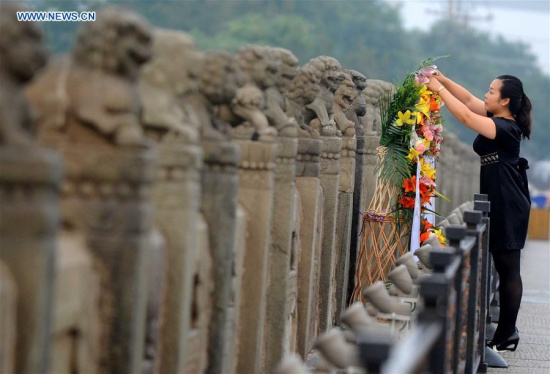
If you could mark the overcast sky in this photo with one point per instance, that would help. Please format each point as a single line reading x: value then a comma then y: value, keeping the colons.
x: 527, y: 21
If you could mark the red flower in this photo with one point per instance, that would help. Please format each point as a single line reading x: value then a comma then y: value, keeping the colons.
x: 434, y: 106
x: 424, y: 237
x: 407, y: 202
x: 426, y: 225
x: 410, y: 184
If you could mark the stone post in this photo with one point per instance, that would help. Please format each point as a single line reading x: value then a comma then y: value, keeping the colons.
x: 177, y: 200
x: 277, y: 322
x: 357, y: 110
x: 8, y: 320
x: 343, y: 226
x: 219, y: 206
x: 165, y: 81
x: 376, y: 92
x: 233, y: 310
x: 201, y: 304
x: 329, y: 177
x: 89, y: 109
x: 309, y: 188
x: 30, y: 180
x: 256, y: 174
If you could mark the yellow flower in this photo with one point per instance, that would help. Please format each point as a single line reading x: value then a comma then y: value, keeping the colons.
x: 424, y: 91
x: 440, y: 236
x: 418, y: 116
x: 423, y: 106
x: 404, y: 118
x: 413, y: 154
x: 426, y: 169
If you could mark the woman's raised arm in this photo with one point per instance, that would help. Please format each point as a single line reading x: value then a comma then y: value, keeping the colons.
x: 463, y: 95
x: 479, y: 123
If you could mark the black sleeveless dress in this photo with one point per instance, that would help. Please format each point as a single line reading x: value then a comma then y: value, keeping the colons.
x: 503, y: 178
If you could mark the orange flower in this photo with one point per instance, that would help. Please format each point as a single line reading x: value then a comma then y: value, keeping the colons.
x: 425, y: 198
x: 424, y: 237
x: 407, y: 202
x: 426, y: 225
x: 434, y: 106
x: 410, y: 184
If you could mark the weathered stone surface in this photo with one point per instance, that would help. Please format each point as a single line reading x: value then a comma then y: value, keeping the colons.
x: 291, y: 313
x: 8, y: 319
x: 374, y: 94
x: 117, y: 228
x: 233, y: 313
x: 88, y: 108
x: 75, y: 319
x: 156, y: 281
x: 311, y: 96
x: 281, y: 252
x: 29, y: 216
x: 176, y: 195
x: 218, y: 86
x: 311, y: 234
x: 344, y: 98
x: 166, y: 80
x: 219, y: 207
x: 343, y: 225
x: 357, y: 110
x: 329, y: 177
x: 201, y: 305
x: 22, y: 54
x: 256, y: 173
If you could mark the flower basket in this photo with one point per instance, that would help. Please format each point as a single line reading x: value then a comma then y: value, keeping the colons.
x: 383, y: 239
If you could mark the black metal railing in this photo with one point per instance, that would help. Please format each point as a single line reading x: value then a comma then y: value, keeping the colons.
x: 449, y: 336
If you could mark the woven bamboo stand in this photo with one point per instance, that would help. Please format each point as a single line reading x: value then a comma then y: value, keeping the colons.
x: 382, y: 242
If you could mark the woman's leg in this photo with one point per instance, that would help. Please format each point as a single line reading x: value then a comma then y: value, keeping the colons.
x: 507, y: 264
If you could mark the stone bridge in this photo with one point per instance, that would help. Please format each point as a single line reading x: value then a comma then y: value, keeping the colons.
x: 169, y: 210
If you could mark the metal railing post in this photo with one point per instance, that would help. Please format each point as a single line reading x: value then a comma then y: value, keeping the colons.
x: 455, y: 233
x: 475, y: 228
x: 484, y: 207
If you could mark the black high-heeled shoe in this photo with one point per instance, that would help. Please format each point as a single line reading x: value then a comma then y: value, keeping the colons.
x: 509, y: 344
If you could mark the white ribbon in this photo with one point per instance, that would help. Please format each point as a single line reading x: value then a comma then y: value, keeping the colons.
x: 415, y: 233
x: 430, y: 217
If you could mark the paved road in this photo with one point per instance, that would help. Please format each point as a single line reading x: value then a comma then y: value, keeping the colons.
x: 533, y: 353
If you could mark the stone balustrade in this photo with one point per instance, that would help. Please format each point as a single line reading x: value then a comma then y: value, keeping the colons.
x: 179, y: 211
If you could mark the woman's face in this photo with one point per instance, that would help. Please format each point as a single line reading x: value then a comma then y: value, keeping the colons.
x: 493, y: 102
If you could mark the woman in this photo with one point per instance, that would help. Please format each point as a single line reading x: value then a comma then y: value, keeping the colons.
x: 501, y: 121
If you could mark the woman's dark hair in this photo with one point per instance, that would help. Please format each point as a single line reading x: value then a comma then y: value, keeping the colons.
x: 520, y: 105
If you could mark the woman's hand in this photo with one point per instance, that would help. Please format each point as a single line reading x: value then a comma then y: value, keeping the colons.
x: 433, y: 85
x: 439, y: 75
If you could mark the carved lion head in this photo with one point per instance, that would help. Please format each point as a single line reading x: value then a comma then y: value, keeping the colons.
x: 346, y: 93
x: 289, y: 68
x: 176, y: 64
x: 22, y: 53
x: 220, y: 78
x: 118, y: 42
x: 259, y: 65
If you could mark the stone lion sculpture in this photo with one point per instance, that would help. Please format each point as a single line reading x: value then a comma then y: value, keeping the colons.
x: 166, y: 80
x: 290, y: 66
x: 376, y: 92
x: 260, y: 67
x: 22, y: 54
x: 211, y: 103
x: 93, y: 94
x: 275, y: 96
x: 311, y: 94
x: 359, y: 106
x: 344, y: 98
